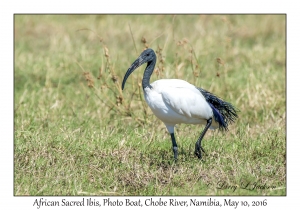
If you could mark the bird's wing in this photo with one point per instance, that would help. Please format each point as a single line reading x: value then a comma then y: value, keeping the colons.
x: 186, y: 100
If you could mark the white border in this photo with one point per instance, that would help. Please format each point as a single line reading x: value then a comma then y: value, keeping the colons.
x: 8, y: 8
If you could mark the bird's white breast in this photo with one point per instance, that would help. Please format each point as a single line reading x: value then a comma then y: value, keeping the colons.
x: 176, y: 101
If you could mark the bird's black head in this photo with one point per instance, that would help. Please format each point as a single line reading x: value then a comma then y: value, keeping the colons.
x: 146, y: 56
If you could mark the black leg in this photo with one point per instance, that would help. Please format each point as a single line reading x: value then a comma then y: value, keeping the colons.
x: 198, y: 143
x: 174, y: 145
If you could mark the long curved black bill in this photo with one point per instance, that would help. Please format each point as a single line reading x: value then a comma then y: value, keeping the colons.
x: 133, y: 66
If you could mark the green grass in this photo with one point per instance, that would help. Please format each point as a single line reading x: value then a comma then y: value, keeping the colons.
x: 77, y: 133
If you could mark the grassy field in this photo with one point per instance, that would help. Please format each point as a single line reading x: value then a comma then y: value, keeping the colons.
x: 77, y: 133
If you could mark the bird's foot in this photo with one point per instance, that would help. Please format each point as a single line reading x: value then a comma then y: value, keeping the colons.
x: 197, y: 152
x: 203, y: 150
x: 175, y: 150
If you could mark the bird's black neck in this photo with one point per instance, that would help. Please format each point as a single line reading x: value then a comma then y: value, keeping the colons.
x: 147, y: 74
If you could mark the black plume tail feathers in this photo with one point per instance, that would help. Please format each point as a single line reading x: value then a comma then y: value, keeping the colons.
x: 224, y: 112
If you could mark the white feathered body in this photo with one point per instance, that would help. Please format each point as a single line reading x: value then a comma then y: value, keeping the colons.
x: 176, y: 101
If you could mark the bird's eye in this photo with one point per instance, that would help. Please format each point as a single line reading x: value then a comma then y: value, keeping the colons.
x: 147, y: 54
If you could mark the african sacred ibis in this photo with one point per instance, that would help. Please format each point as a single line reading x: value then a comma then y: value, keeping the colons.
x: 176, y: 101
